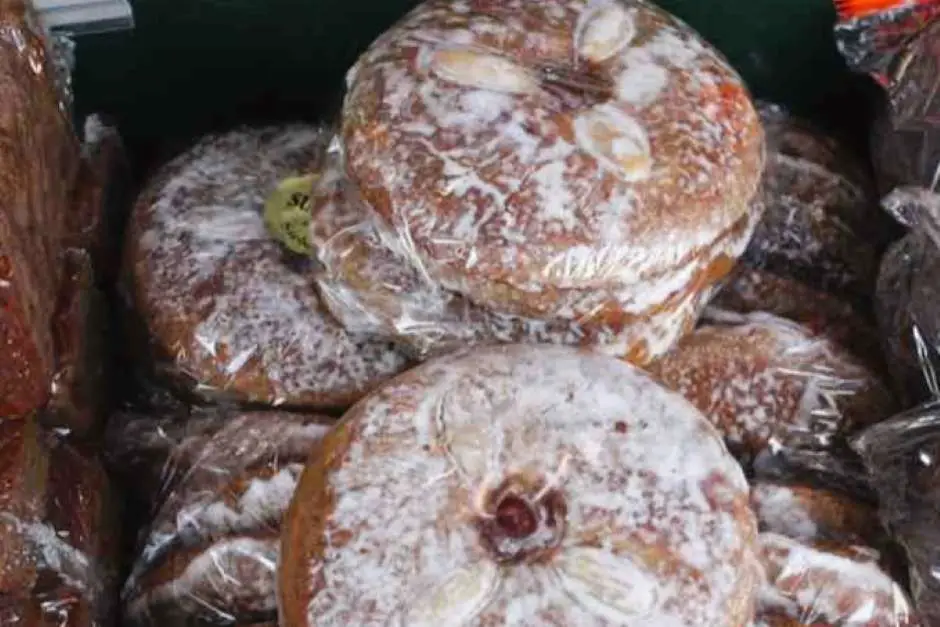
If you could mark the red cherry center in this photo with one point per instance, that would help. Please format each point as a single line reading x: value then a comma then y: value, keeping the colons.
x: 515, y: 518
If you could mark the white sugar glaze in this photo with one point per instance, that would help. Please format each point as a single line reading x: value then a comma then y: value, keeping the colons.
x: 498, y: 185
x: 205, y: 261
x: 658, y: 530
x: 818, y: 587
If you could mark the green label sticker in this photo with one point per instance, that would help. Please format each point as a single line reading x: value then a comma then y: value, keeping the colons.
x: 287, y: 214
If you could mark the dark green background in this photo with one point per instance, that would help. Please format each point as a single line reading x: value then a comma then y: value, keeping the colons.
x: 194, y: 65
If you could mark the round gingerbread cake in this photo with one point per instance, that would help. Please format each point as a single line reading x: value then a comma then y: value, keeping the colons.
x: 769, y: 384
x: 520, y: 485
x: 532, y: 155
x: 366, y: 281
x: 220, y: 301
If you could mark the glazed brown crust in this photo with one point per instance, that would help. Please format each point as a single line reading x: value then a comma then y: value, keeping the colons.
x: 227, y: 315
x: 38, y: 160
x: 749, y: 290
x: 620, y: 233
x: 761, y: 379
x: 822, y: 224
x: 24, y: 472
x: 370, y: 286
x: 809, y: 513
x: 303, y: 529
x: 80, y: 386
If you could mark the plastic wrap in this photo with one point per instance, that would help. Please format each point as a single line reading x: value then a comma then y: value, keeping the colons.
x: 749, y: 290
x: 506, y: 151
x: 906, y: 299
x: 771, y: 386
x: 827, y: 585
x: 217, y: 485
x: 38, y: 158
x: 520, y: 485
x: 821, y: 219
x: 101, y: 197
x: 367, y: 282
x: 64, y: 571
x: 826, y: 558
x: 81, y: 386
x: 901, y: 458
x: 897, y: 46
x: 226, y: 313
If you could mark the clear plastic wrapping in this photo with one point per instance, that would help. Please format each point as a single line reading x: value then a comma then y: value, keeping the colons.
x: 81, y: 386
x: 216, y: 484
x: 897, y: 46
x: 66, y: 531
x: 520, y: 485
x: 368, y: 282
x: 222, y: 312
x: 101, y: 198
x: 39, y: 159
x: 821, y: 217
x: 773, y: 387
x: 502, y: 160
x: 907, y: 299
x: 901, y: 456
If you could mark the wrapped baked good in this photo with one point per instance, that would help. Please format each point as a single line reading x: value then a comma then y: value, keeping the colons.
x: 588, y: 163
x: 99, y: 198
x: 901, y: 456
x: 24, y: 471
x: 38, y: 161
x: 895, y: 43
x: 209, y: 551
x: 228, y: 314
x: 906, y: 298
x: 827, y: 585
x: 821, y: 217
x: 69, y: 539
x: 812, y: 514
x: 367, y: 282
x: 80, y: 396
x: 519, y: 485
x: 750, y: 290
x: 769, y: 384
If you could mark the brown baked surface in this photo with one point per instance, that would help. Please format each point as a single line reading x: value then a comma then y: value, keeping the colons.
x: 766, y: 381
x: 211, y: 545
x: 38, y: 161
x: 80, y: 386
x: 369, y: 284
x: 811, y: 514
x: 227, y: 315
x: 828, y: 585
x: 526, y: 149
x: 821, y: 214
x: 510, y: 483
x: 748, y: 290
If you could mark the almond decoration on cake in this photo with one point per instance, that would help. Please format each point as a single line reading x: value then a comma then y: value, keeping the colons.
x: 209, y: 553
x: 520, y: 485
x: 767, y: 382
x: 564, y: 160
x: 221, y: 304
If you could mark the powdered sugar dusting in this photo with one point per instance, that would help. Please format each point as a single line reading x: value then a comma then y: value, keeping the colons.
x: 369, y: 284
x: 815, y: 587
x: 456, y: 176
x: 779, y: 511
x: 656, y: 526
x: 215, y: 292
x: 766, y: 381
